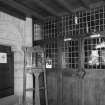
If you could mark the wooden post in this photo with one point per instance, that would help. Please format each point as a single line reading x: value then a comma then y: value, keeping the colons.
x: 37, y: 93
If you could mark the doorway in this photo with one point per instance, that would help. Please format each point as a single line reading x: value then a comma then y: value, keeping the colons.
x: 6, y: 71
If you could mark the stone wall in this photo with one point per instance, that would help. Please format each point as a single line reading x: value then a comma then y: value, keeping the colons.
x: 16, y: 33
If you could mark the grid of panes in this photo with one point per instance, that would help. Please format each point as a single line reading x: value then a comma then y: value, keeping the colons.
x: 50, y: 28
x: 84, y: 22
x: 52, y: 53
x: 37, y: 35
x: 71, y: 54
x: 94, y: 53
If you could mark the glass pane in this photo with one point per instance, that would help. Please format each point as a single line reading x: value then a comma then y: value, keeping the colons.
x: 94, y: 52
x: 51, y: 53
x: 37, y: 32
x: 50, y: 28
x: 71, y: 54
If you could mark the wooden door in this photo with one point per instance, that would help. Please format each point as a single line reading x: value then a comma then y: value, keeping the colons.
x: 51, y: 73
x: 79, y: 79
x: 6, y: 71
x: 94, y: 65
x: 90, y: 89
x: 71, y: 82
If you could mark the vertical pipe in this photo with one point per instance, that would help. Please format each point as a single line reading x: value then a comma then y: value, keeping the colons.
x: 24, y: 79
x: 37, y: 94
x: 45, y: 78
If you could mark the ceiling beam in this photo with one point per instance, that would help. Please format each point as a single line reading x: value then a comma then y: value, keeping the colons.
x: 82, y: 3
x: 11, y: 11
x: 22, y: 8
x: 98, y: 4
x: 65, y: 5
x: 46, y: 7
x: 103, y: 2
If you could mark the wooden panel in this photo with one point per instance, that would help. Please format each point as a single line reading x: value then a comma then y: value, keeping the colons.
x: 66, y: 90
x: 72, y: 91
x: 88, y: 86
x: 52, y: 87
x: 76, y: 91
x: 87, y: 91
x: 93, y: 88
x: 42, y: 89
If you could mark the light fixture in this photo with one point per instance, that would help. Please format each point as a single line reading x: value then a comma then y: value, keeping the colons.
x: 76, y: 20
x: 67, y: 39
x: 94, y: 35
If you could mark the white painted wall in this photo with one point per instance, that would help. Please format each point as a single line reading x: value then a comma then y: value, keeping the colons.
x: 16, y: 33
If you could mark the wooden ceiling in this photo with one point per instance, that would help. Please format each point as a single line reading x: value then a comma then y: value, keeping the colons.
x: 41, y: 9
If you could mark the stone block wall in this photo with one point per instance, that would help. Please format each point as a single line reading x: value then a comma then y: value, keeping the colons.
x: 16, y: 33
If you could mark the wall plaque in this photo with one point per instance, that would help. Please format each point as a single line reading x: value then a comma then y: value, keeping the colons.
x: 3, y: 57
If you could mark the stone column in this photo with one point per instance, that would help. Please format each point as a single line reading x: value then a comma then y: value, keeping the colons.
x: 28, y: 32
x: 37, y: 93
x: 18, y: 73
x: 28, y: 43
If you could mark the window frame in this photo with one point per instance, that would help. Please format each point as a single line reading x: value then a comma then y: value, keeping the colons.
x: 79, y: 56
x: 83, y: 52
